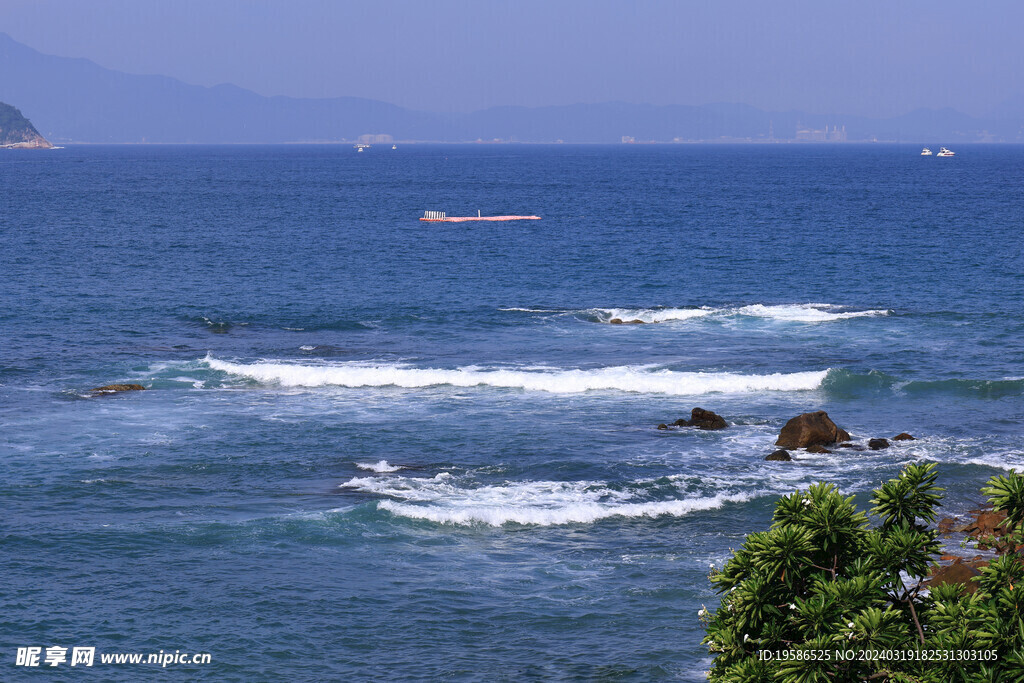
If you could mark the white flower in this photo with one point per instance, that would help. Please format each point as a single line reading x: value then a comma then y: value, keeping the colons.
x: 850, y: 624
x: 746, y: 637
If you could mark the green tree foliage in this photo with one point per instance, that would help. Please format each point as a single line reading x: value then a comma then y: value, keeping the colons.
x: 824, y: 595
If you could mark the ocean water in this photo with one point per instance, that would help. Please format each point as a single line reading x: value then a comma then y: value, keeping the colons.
x: 378, y: 449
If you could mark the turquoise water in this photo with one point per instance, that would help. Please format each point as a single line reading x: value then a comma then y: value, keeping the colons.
x: 374, y: 448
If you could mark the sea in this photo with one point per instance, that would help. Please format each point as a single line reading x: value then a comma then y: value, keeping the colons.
x: 375, y: 448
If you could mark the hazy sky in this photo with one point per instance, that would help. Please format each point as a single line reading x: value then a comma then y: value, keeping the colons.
x: 876, y: 58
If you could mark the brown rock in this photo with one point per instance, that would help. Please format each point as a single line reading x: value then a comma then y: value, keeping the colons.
x: 903, y: 437
x: 958, y: 572
x: 811, y: 429
x: 705, y: 419
x: 615, y: 321
x: 852, y: 446
x: 111, y: 388
x: 989, y: 522
x: 878, y: 444
x: 780, y: 455
x: 946, y: 525
x: 663, y: 426
x: 817, y: 449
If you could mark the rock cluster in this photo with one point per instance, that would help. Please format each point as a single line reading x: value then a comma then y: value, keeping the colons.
x: 817, y: 433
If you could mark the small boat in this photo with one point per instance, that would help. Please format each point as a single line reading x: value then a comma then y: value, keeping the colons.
x: 394, y: 146
x: 946, y: 153
x: 926, y: 152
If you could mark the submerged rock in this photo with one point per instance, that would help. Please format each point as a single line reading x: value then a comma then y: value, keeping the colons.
x: 663, y: 426
x: 620, y: 321
x: 779, y: 455
x: 111, y: 388
x: 878, y: 444
x: 817, y: 449
x: 904, y: 437
x: 811, y: 429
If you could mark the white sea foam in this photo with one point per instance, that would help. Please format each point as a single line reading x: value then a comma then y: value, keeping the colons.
x: 804, y: 313
x: 381, y: 466
x: 533, y: 310
x: 443, y: 500
x: 649, y: 315
x: 638, y: 379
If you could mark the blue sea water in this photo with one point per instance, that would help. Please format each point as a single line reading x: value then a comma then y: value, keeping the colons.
x: 378, y: 449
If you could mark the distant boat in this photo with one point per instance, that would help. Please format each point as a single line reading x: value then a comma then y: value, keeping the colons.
x: 442, y: 217
x: 394, y: 146
x: 946, y: 153
x: 926, y: 152
x: 360, y: 147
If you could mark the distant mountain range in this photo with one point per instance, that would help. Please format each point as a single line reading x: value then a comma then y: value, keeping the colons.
x: 76, y: 100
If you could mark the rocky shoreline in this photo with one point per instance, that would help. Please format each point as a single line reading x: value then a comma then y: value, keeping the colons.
x: 815, y: 432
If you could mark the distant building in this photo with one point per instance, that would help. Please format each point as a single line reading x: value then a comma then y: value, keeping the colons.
x: 628, y: 139
x: 376, y: 139
x: 816, y: 135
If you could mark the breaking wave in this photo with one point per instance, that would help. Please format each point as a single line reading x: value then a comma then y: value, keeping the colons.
x: 802, y: 313
x: 638, y: 379
x: 544, y: 503
x: 381, y: 466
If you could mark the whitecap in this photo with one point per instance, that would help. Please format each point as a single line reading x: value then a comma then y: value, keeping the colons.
x: 806, y: 313
x: 381, y: 466
x: 444, y: 500
x: 637, y: 379
x: 648, y: 315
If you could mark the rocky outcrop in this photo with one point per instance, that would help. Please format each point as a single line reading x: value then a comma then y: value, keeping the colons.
x: 958, y: 572
x: 705, y: 419
x: 810, y: 429
x: 701, y: 419
x: 780, y: 455
x: 113, y: 388
x: 620, y: 321
x: 903, y: 437
x: 818, y: 449
x: 18, y: 132
x: 878, y: 444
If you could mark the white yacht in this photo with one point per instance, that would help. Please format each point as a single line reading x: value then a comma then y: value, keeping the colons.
x: 926, y: 152
x: 946, y: 153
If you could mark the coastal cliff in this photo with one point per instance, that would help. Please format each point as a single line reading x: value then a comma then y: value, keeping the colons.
x: 18, y: 132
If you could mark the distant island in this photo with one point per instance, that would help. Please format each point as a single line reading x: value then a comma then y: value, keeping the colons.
x: 18, y: 132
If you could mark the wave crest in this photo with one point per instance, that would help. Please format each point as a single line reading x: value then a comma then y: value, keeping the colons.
x: 638, y: 379
x: 542, y: 503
